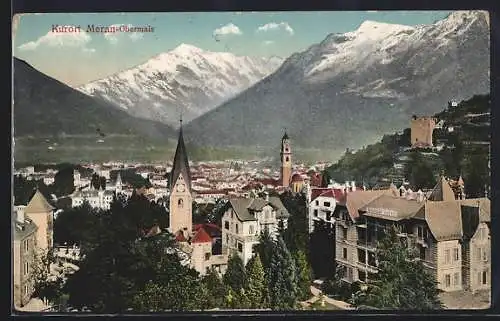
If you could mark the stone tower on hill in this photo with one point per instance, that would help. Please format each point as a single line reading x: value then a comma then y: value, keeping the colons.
x: 421, y: 131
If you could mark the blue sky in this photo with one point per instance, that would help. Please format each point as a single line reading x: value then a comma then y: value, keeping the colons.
x: 79, y: 57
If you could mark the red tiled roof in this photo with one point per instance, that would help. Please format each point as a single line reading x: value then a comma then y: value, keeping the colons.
x: 268, y: 181
x: 336, y: 193
x: 202, y: 237
x: 179, y: 237
x: 212, y: 229
x: 214, y: 191
x: 316, y: 179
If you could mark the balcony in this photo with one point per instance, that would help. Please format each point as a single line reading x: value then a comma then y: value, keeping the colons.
x: 366, y: 267
x: 363, y: 244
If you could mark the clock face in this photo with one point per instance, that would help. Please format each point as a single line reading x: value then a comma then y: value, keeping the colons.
x: 180, y: 187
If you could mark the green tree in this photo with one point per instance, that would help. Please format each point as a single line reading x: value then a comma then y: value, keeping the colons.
x: 477, y: 176
x: 265, y: 248
x: 402, y: 281
x: 282, y: 279
x: 216, y: 289
x: 235, y: 273
x: 63, y: 181
x: 296, y: 235
x: 322, y: 250
x: 304, y: 276
x: 255, y: 283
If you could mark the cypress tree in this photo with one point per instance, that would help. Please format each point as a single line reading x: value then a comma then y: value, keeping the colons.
x: 282, y: 278
x: 255, y: 285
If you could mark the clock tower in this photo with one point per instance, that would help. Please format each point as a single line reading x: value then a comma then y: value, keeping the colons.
x: 286, y: 161
x: 181, y: 198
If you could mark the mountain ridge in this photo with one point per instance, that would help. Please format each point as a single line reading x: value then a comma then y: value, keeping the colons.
x: 410, y: 69
x: 186, y: 78
x: 44, y: 106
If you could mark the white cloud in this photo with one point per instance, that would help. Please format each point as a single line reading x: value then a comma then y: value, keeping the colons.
x: 276, y: 26
x: 229, y: 29
x: 268, y: 42
x: 71, y: 37
x: 89, y: 50
x: 114, y: 37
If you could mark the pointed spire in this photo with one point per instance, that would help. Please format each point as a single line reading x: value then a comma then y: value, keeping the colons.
x: 181, y: 163
x: 442, y: 191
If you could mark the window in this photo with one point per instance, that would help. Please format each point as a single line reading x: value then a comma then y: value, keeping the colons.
x: 207, y: 256
x: 344, y: 253
x: 237, y: 229
x: 361, y: 256
x: 456, y: 255
x: 251, y: 230
x: 420, y: 232
x: 422, y: 253
x: 180, y: 203
x: 26, y: 268
x: 447, y: 257
x: 315, y: 213
x: 240, y: 247
x: 485, y: 255
x: 456, y: 279
x: 26, y: 290
x: 344, y: 233
x: 287, y: 159
x: 447, y: 280
x: 485, y: 277
x: 232, y: 214
x: 362, y: 276
x: 317, y: 203
x: 227, y: 239
x: 478, y: 253
x: 349, y: 273
x: 327, y: 204
x: 226, y: 225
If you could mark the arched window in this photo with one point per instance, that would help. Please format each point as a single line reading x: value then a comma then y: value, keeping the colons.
x: 180, y: 203
x: 287, y: 159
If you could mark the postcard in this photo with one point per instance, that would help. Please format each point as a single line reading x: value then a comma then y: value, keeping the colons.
x: 251, y: 161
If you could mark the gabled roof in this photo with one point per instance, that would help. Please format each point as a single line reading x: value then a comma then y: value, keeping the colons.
x: 244, y: 207
x: 38, y: 204
x: 359, y: 198
x: 470, y: 220
x: 444, y: 220
x: 400, y: 207
x: 201, y: 237
x: 484, y: 205
x: 281, y: 211
x: 181, y: 163
x: 442, y: 191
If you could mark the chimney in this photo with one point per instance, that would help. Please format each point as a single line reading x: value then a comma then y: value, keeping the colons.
x: 266, y: 196
x: 420, y: 196
x: 20, y: 213
x: 353, y: 186
x: 347, y: 185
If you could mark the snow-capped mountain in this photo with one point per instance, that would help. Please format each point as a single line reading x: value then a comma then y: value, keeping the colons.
x: 351, y: 88
x: 187, y: 78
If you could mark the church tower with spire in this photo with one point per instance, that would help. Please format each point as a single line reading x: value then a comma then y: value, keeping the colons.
x: 180, y: 191
x: 286, y: 161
